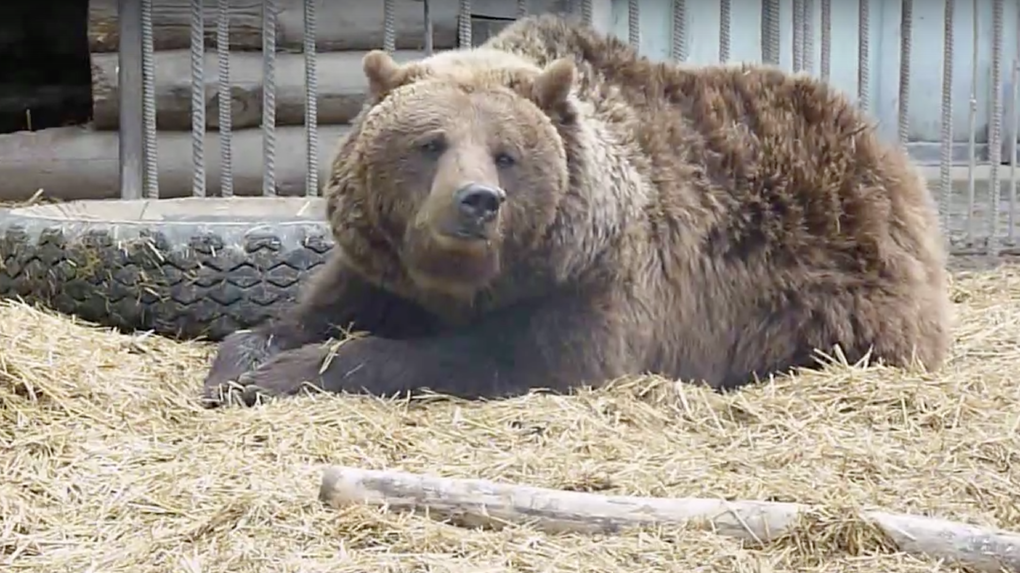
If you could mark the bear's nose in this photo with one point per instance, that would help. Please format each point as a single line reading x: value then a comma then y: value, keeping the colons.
x: 479, y: 202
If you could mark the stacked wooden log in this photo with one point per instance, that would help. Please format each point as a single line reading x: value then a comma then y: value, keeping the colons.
x: 78, y: 163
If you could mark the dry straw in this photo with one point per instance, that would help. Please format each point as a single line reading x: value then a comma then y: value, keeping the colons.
x: 109, y: 464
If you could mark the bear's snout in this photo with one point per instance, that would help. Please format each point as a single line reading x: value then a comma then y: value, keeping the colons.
x: 479, y: 202
x: 477, y: 206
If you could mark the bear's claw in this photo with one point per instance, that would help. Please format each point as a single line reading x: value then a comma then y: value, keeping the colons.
x: 285, y: 374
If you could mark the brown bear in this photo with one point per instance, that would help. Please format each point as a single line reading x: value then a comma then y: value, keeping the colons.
x: 551, y: 209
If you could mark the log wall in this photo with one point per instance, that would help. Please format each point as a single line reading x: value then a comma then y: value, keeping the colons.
x: 343, y: 25
x: 72, y: 163
x: 353, y: 29
x: 342, y: 88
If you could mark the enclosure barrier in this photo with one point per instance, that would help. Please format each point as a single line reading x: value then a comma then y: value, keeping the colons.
x: 973, y: 212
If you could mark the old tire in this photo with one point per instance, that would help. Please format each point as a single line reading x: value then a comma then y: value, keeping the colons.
x: 187, y: 268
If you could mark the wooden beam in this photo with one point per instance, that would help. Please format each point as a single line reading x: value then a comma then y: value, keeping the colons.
x: 342, y: 88
x: 348, y: 25
x: 71, y: 163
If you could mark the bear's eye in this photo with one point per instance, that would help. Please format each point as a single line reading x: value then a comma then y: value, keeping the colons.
x: 504, y: 160
x: 433, y: 146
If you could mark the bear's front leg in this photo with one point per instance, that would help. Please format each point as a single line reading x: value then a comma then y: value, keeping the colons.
x: 336, y: 298
x: 558, y: 345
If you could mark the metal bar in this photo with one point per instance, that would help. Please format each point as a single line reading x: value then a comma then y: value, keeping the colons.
x: 586, y: 16
x: 522, y: 8
x: 678, y: 50
x: 464, y: 24
x: 808, y: 36
x: 427, y: 15
x: 903, y: 101
x: 151, y: 180
x: 995, y: 133
x: 389, y: 26
x: 946, y: 151
x: 1011, y: 232
x: 197, y: 20
x: 972, y: 125
x: 798, y: 35
x: 269, y: 11
x: 311, y: 103
x: 634, y: 23
x: 764, y: 21
x: 770, y: 40
x: 224, y: 99
x: 863, y: 55
x: 775, y: 36
x: 724, y: 30
x: 131, y: 135
x: 827, y: 39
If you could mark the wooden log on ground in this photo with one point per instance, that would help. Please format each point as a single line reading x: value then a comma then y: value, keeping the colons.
x: 342, y: 25
x: 476, y: 502
x: 342, y: 88
x: 72, y: 163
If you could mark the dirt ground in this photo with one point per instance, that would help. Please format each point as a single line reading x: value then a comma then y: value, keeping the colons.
x: 109, y: 464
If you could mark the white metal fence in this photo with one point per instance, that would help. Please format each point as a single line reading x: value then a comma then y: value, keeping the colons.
x: 978, y: 211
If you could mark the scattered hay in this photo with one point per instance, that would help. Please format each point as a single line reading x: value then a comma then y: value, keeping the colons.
x: 830, y: 534
x: 109, y: 463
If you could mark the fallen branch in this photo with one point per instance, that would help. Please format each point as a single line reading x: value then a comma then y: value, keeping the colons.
x: 476, y: 502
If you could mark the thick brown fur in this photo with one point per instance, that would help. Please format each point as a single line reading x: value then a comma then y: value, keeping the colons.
x: 715, y: 223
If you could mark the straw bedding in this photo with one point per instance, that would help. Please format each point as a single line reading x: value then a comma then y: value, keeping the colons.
x: 108, y: 464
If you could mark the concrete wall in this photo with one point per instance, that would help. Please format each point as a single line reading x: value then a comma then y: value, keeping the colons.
x: 925, y: 101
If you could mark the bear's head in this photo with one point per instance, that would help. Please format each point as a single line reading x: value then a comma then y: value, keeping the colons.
x: 457, y: 166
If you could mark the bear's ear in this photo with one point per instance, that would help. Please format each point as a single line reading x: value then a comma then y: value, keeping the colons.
x: 383, y: 73
x: 553, y: 85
